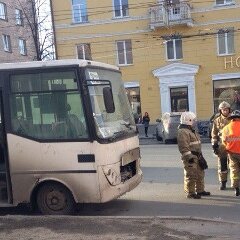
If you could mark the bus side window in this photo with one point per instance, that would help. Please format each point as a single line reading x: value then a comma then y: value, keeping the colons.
x: 75, y: 126
x: 59, y: 130
x: 39, y: 108
x: 19, y: 126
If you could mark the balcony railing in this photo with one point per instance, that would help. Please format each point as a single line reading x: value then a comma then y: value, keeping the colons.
x: 164, y: 16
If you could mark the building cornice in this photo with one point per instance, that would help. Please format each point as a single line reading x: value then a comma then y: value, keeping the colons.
x: 217, y: 22
x: 103, y: 35
x: 176, y: 69
x: 101, y: 22
x: 215, y: 8
x: 225, y: 76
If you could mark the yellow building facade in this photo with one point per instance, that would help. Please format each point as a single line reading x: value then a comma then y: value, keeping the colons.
x: 174, y: 55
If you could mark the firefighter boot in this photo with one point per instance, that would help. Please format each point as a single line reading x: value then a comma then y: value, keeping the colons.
x: 237, y: 191
x: 223, y: 185
x: 204, y: 193
x: 193, y: 196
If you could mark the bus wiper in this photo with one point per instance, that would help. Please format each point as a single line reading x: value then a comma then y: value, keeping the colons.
x: 126, y: 124
x: 117, y: 134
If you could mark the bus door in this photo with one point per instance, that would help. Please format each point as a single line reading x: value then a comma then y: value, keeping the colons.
x: 3, y: 158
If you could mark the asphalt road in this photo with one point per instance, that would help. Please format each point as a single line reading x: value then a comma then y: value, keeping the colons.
x: 161, y: 191
x: 114, y: 228
x: 156, y: 209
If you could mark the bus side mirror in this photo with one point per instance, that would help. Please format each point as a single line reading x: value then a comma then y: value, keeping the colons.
x: 108, y: 100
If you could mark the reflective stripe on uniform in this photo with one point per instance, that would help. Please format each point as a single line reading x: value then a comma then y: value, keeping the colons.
x: 232, y: 139
x: 194, y: 143
x: 223, y: 171
x: 214, y: 140
x: 186, y: 153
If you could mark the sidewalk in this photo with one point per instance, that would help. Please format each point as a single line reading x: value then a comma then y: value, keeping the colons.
x: 151, y: 139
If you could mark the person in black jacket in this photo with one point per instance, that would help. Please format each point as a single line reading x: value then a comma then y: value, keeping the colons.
x: 145, y: 121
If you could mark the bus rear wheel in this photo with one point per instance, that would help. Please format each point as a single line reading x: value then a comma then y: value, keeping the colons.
x: 55, y: 199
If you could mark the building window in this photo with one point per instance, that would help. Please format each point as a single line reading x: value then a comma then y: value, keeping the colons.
x: 3, y: 11
x: 179, y: 99
x: 124, y: 51
x: 226, y: 41
x: 19, y: 17
x: 223, y: 2
x: 174, y: 11
x: 120, y: 8
x: 84, y: 51
x: 227, y: 90
x: 7, y: 43
x: 22, y: 46
x: 79, y: 11
x: 133, y: 94
x: 174, y: 49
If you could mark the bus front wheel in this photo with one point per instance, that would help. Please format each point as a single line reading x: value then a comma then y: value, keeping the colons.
x: 55, y: 199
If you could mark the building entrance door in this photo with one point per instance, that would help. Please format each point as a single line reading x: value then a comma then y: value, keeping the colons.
x: 179, y: 99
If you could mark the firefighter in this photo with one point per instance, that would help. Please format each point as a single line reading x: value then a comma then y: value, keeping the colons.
x: 231, y: 140
x: 189, y: 145
x: 218, y: 148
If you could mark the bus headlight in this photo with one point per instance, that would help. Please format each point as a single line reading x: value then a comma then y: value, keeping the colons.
x: 111, y: 175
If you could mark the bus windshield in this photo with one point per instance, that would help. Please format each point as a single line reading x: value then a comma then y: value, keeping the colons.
x: 110, y: 125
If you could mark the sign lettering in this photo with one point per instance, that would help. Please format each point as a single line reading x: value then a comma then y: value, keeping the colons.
x: 231, y: 62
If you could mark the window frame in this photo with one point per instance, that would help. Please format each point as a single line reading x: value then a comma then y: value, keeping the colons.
x: 22, y: 46
x: 226, y: 42
x: 80, y: 11
x: 173, y: 40
x: 3, y: 7
x: 6, y: 39
x: 125, y: 55
x: 83, y: 49
x: 19, y: 17
x: 226, y: 2
x: 121, y: 9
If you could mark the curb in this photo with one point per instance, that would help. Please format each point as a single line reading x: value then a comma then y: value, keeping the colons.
x: 153, y: 140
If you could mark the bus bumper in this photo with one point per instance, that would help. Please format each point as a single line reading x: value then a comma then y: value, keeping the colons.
x: 113, y: 192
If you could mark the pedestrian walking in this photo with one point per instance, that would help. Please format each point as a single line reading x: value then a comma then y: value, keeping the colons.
x: 189, y: 145
x: 218, y: 147
x: 231, y: 140
x: 145, y: 121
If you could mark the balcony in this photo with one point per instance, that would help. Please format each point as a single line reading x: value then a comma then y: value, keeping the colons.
x: 165, y: 16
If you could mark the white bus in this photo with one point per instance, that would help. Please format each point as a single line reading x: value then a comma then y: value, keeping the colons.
x: 67, y: 135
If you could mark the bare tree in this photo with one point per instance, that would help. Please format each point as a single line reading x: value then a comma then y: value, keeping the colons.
x: 37, y: 15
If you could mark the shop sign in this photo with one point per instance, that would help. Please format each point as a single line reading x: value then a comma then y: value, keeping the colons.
x: 231, y: 62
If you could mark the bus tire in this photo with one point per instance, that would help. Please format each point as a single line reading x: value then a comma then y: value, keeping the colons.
x: 55, y: 199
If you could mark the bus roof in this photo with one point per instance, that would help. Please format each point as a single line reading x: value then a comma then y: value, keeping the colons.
x: 54, y: 63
